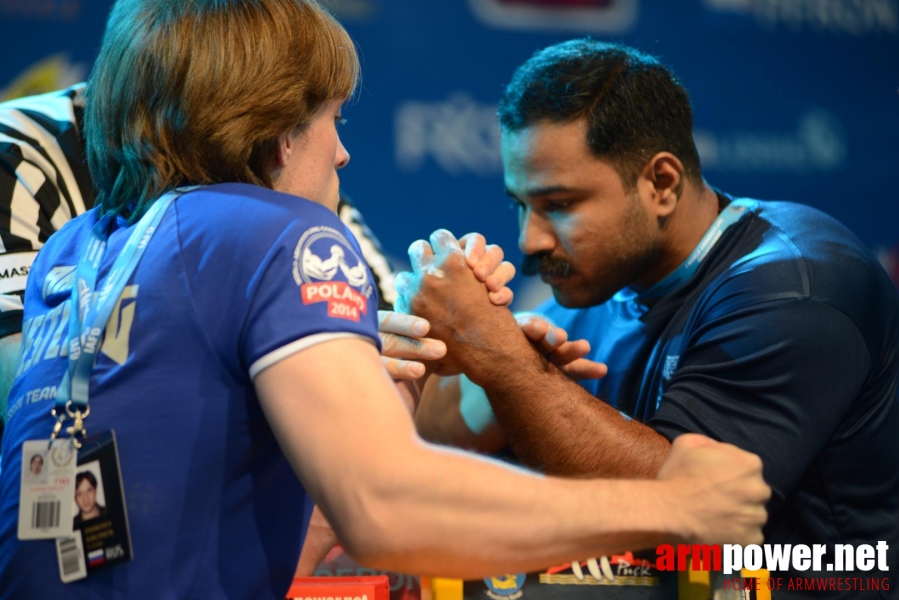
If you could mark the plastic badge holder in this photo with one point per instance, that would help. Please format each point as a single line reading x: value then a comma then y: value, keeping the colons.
x: 375, y: 587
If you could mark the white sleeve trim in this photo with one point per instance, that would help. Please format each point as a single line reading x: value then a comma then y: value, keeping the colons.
x: 299, y: 345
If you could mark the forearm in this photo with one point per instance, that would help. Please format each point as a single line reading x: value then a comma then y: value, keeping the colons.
x: 446, y: 513
x: 556, y: 426
x: 399, y: 503
x: 439, y: 419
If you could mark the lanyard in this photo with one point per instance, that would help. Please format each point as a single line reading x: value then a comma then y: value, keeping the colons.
x: 91, y: 309
x: 731, y: 214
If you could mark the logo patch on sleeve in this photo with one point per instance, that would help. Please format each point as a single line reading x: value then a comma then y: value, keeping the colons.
x: 329, y: 269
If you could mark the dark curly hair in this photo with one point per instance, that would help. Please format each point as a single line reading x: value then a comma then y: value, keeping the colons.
x: 634, y: 106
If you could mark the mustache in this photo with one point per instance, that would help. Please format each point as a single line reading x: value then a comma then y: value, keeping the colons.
x: 544, y: 264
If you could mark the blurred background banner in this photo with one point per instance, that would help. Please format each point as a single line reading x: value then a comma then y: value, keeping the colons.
x: 793, y: 99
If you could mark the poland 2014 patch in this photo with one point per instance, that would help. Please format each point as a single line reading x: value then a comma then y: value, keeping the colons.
x: 329, y: 269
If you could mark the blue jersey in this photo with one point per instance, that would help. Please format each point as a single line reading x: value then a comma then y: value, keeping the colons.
x: 235, y: 279
x: 785, y: 343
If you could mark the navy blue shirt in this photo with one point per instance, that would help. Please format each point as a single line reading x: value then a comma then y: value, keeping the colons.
x: 785, y: 343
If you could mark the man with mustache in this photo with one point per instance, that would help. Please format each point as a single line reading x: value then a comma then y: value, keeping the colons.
x: 767, y: 325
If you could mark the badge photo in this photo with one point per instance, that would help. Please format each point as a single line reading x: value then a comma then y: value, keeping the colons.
x: 101, y: 535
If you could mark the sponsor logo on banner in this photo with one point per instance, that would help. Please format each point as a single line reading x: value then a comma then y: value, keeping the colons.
x: 599, y: 16
x: 461, y: 135
x: 853, y: 17
x: 818, y: 143
x: 328, y: 269
x: 505, y: 587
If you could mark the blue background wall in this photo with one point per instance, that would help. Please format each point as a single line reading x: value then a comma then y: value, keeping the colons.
x: 793, y: 99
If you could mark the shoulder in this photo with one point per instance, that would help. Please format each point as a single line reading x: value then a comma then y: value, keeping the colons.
x: 68, y: 238
x: 63, y: 248
x: 249, y: 211
x: 795, y: 252
x: 789, y: 250
x: 249, y: 221
x: 250, y: 226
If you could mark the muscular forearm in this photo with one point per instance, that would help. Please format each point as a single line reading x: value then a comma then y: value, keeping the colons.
x: 554, y: 425
x: 446, y: 513
x: 399, y: 503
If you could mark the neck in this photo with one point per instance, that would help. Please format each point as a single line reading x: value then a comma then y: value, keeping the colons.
x: 688, y: 227
x: 696, y: 210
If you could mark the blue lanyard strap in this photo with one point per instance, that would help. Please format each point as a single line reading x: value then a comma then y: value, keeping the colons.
x: 731, y: 214
x: 91, y: 309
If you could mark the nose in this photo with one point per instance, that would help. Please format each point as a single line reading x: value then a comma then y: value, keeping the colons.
x: 342, y: 158
x: 535, y: 233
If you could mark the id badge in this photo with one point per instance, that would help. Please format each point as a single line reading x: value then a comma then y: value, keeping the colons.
x: 48, y: 486
x: 100, y: 536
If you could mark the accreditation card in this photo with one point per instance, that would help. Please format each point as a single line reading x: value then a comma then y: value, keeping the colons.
x: 101, y: 536
x: 48, y: 487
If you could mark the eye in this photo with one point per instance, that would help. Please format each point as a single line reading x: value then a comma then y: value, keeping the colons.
x: 340, y: 120
x: 515, y: 205
x: 557, y: 205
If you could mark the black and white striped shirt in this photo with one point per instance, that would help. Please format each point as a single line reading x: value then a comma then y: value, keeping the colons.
x: 44, y: 182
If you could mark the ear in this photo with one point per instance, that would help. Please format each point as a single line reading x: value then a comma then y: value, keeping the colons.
x: 664, y: 177
x: 285, y: 147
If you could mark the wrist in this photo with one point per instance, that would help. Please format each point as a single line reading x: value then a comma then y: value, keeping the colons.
x: 641, y: 508
x: 486, y: 358
x: 673, y: 505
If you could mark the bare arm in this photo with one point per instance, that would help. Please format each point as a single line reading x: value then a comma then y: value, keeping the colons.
x: 549, y: 420
x: 399, y: 503
x: 439, y: 419
x: 551, y: 423
x: 457, y: 412
x: 555, y: 425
